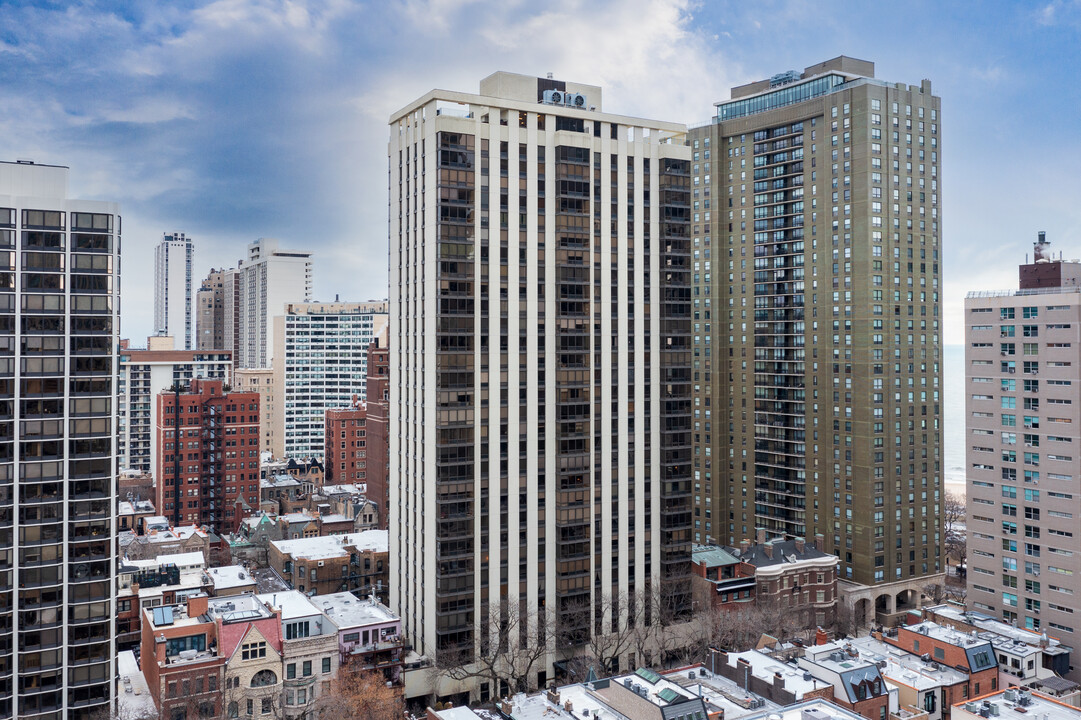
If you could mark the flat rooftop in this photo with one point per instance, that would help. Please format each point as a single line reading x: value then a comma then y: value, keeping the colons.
x: 1002, y: 636
x: 333, y: 546
x: 810, y: 710
x: 899, y: 667
x: 238, y: 608
x: 229, y: 576
x: 293, y: 604
x: 347, y: 611
x: 133, y: 698
x: 763, y: 666
x: 1013, y: 700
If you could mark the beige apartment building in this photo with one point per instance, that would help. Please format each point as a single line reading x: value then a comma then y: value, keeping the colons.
x: 1023, y: 403
x: 539, y: 371
x: 817, y: 359
x: 261, y: 380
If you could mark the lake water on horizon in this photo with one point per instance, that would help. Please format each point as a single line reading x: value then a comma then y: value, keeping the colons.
x: 953, y: 417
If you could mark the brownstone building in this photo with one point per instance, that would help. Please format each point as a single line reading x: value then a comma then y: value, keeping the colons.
x: 794, y: 574
x: 208, y: 458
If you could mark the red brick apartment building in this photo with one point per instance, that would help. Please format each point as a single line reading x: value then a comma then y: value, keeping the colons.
x: 960, y: 650
x: 208, y: 455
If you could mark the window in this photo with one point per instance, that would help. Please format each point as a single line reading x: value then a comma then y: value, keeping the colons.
x: 252, y: 651
x: 326, y: 665
x: 307, y: 668
x: 264, y: 678
x: 290, y: 671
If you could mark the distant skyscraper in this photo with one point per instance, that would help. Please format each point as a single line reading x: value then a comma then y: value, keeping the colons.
x: 172, y: 289
x: 1023, y: 391
x: 540, y: 354
x: 57, y: 446
x: 210, y: 312
x: 256, y: 292
x: 817, y: 351
x: 320, y: 362
x: 146, y: 372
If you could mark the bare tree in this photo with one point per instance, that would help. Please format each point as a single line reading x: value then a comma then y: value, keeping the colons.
x: 512, y: 643
x: 954, y: 525
x: 360, y: 695
x: 597, y: 637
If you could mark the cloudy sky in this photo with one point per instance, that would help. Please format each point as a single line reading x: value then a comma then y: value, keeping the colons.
x: 238, y: 119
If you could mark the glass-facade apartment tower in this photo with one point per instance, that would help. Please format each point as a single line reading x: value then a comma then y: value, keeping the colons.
x: 58, y: 365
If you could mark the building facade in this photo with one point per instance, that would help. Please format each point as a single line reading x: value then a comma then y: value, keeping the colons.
x: 817, y: 353
x: 320, y: 362
x: 210, y: 312
x: 144, y: 374
x: 172, y: 289
x: 539, y: 366
x: 260, y: 380
x: 377, y: 426
x: 208, y: 456
x: 257, y: 291
x: 356, y: 441
x: 354, y: 562
x: 58, y: 447
x: 1023, y: 402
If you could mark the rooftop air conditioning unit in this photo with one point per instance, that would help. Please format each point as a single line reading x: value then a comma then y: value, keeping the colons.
x: 575, y: 100
x: 553, y: 97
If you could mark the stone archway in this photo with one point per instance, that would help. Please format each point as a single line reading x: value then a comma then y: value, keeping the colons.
x: 907, y: 600
x: 862, y: 614
x: 884, y: 605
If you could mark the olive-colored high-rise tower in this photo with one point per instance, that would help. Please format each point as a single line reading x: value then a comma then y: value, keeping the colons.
x: 817, y: 342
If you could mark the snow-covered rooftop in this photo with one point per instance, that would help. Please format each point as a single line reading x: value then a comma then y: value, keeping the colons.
x: 331, y: 546
x: 347, y: 611
x: 229, y: 576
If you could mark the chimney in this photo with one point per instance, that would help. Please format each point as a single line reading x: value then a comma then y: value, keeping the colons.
x: 820, y: 542
x: 760, y: 535
x: 800, y: 544
x: 768, y: 549
x: 821, y: 638
x: 197, y: 605
x: 159, y: 648
x: 744, y: 545
x: 778, y: 679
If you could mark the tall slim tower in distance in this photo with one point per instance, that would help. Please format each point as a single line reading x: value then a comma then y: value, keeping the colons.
x: 540, y: 353
x: 58, y: 480
x: 1023, y: 404
x: 817, y: 233
x: 172, y: 289
x: 210, y: 312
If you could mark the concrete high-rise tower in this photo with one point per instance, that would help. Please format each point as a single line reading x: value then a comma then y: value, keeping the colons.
x: 540, y: 390
x: 1023, y: 404
x: 172, y: 289
x: 257, y: 291
x: 816, y: 238
x: 57, y: 446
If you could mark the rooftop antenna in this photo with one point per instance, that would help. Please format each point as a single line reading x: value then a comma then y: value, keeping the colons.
x: 550, y: 76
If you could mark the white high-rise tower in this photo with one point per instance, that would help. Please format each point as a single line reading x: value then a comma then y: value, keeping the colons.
x: 172, y: 289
